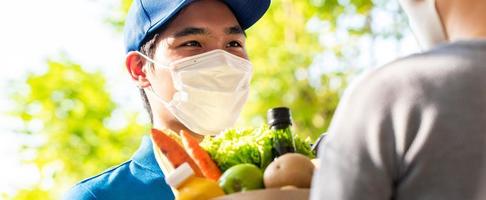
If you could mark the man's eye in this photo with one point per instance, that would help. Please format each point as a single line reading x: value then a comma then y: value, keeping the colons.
x: 191, y: 44
x: 233, y: 44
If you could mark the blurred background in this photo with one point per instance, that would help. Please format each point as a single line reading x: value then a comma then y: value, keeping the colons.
x: 68, y: 109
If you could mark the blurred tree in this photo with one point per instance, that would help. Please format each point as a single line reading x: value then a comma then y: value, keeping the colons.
x: 282, y: 50
x: 285, y: 46
x: 68, y: 111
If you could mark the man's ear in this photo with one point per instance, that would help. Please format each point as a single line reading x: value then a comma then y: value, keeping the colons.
x: 134, y: 63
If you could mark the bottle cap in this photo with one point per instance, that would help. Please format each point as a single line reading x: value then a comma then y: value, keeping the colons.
x: 280, y: 115
x: 179, y: 175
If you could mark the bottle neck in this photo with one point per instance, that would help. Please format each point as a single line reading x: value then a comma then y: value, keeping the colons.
x: 280, y: 126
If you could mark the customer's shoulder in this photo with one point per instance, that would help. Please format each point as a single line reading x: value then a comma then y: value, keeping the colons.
x: 423, y: 71
x: 446, y: 61
x: 418, y: 76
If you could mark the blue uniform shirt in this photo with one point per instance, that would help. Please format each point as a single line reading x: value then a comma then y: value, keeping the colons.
x: 138, y: 178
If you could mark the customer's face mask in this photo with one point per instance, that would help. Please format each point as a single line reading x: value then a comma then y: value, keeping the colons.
x: 211, y: 89
x: 425, y: 22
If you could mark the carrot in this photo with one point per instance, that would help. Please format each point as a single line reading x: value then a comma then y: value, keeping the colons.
x: 208, y: 168
x: 173, y: 135
x: 174, y: 152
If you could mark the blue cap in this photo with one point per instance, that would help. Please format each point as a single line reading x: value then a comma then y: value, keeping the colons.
x: 145, y: 17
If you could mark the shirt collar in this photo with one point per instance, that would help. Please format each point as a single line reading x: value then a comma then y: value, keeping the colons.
x: 145, y: 156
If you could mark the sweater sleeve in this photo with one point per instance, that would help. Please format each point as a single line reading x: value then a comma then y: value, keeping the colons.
x: 358, y: 159
x: 413, y: 129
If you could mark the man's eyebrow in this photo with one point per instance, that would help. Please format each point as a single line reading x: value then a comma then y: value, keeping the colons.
x: 235, y: 30
x: 191, y: 31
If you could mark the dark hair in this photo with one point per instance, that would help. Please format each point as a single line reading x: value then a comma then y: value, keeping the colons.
x: 148, y: 48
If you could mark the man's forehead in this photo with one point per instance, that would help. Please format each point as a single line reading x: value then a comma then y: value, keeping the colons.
x: 191, y: 30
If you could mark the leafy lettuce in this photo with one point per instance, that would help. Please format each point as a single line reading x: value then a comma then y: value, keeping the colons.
x: 254, y: 146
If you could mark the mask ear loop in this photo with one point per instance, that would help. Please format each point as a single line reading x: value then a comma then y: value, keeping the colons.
x: 164, y: 65
x: 179, y: 95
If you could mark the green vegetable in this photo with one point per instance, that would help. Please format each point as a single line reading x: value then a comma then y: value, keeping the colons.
x: 254, y: 146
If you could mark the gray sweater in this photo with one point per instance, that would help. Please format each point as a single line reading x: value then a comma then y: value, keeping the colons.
x: 414, y: 129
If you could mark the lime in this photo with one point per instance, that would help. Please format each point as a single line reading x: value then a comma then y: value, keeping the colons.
x: 240, y: 178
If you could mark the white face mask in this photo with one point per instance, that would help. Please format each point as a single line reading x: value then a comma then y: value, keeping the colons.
x: 425, y: 22
x: 211, y: 89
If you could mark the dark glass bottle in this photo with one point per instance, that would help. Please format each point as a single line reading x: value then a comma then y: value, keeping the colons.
x: 280, y: 120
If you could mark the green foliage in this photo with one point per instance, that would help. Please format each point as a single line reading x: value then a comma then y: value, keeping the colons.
x: 118, y: 14
x: 67, y: 109
x: 34, y: 193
